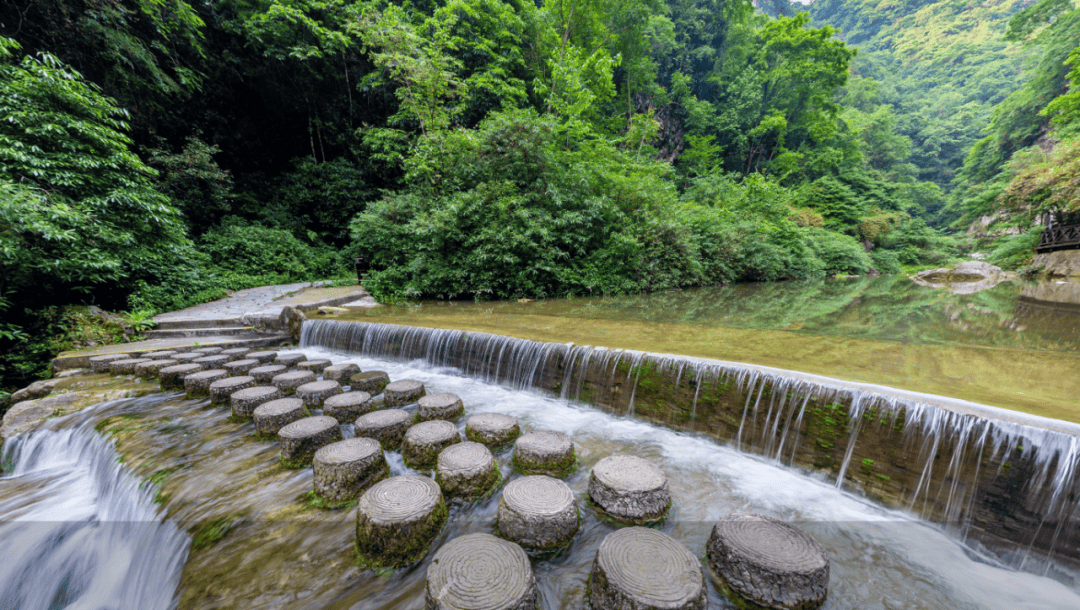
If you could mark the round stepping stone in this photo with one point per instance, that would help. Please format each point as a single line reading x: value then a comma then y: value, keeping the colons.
x: 492, y: 429
x: 371, y: 382
x: 404, y: 392
x: 197, y: 385
x: 397, y: 519
x: 172, y: 377
x: 245, y: 402
x: 544, y: 452
x: 538, y: 512
x: 222, y: 389
x: 769, y: 562
x: 439, y: 406
x: 208, y: 351
x: 187, y: 357
x: 340, y: 372
x: 466, y: 470
x: 100, y: 364
x: 346, y: 469
x: 265, y: 373
x: 302, y: 438
x: 126, y: 366
x: 315, y: 366
x: 265, y: 357
x: 236, y: 353
x: 288, y: 382
x: 240, y: 367
x: 348, y: 406
x: 314, y: 393
x: 212, y: 362
x: 270, y: 417
x: 290, y: 360
x: 387, y: 426
x: 629, y: 489
x: 423, y: 442
x: 151, y: 368
x: 638, y: 568
x: 162, y: 355
x: 481, y: 572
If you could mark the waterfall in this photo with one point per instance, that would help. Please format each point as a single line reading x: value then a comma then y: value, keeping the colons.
x: 987, y: 475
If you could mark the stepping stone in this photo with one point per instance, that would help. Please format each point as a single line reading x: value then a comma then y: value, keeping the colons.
x: 222, y: 389
x: 769, y: 562
x: 538, y: 512
x: 314, y: 393
x: 236, y: 353
x: 265, y: 373
x: 629, y: 489
x: 288, y: 382
x: 212, y: 362
x: 290, y: 360
x: 151, y: 368
x: 302, y: 438
x: 315, y: 366
x: 638, y: 568
x: 100, y: 364
x: 187, y: 357
x: 162, y: 355
x: 492, y: 429
x: 544, y: 452
x: 480, y: 572
x: 245, y: 402
x: 439, y: 406
x: 466, y: 470
x: 340, y: 372
x: 371, y: 382
x: 423, y: 442
x: 197, y: 385
x: 397, y: 519
x: 348, y: 406
x: 387, y: 426
x: 208, y: 351
x: 172, y: 377
x: 270, y: 417
x: 346, y: 469
x: 265, y: 357
x: 404, y: 392
x: 126, y: 366
x: 240, y: 367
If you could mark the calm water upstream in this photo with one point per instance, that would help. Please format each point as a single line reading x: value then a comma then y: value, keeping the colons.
x: 1015, y: 345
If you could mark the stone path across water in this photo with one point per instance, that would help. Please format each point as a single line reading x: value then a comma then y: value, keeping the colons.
x: 263, y: 300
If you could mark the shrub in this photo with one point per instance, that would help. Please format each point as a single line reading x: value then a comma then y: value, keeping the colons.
x: 1015, y: 251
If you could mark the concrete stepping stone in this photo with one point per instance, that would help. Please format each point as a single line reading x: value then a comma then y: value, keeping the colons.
x: 172, y: 377
x: 161, y: 355
x: 246, y: 401
x: 538, y: 512
x: 404, y: 392
x: 315, y: 366
x: 466, y: 470
x: 197, y: 385
x: 271, y: 416
x: 397, y: 519
x: 240, y: 367
x: 439, y: 406
x: 187, y: 357
x: 212, y: 362
x: 303, y: 437
x: 314, y: 393
x: 492, y: 429
x: 340, y: 372
x: 236, y: 353
x: 348, y: 406
x: 126, y: 366
x: 371, y: 382
x: 480, y: 572
x: 265, y: 357
x: 150, y: 369
x: 346, y: 469
x: 544, y: 452
x: 424, y: 441
x: 388, y: 426
x: 629, y: 489
x: 265, y: 373
x: 290, y: 360
x: 288, y: 382
x: 638, y: 568
x: 769, y: 562
x: 222, y: 389
x: 100, y: 364
x: 208, y: 351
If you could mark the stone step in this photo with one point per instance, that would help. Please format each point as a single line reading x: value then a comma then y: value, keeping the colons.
x: 81, y: 358
x: 196, y: 332
x: 196, y: 323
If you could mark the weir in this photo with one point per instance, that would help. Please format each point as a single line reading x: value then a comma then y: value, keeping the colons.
x: 988, y: 476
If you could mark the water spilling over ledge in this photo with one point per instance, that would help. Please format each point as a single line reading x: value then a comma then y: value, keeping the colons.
x: 987, y: 475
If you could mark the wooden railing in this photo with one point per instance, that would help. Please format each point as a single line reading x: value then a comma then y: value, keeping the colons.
x: 1060, y: 237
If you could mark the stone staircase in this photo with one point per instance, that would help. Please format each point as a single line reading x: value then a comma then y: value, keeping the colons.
x: 212, y: 327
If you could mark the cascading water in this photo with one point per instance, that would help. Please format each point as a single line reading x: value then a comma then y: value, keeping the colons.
x: 78, y: 531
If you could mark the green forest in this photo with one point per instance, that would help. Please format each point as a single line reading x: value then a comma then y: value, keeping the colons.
x: 156, y: 154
